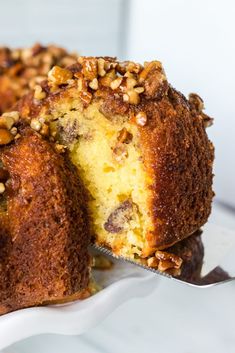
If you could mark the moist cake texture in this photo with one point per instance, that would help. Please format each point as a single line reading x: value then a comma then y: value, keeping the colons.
x: 140, y: 148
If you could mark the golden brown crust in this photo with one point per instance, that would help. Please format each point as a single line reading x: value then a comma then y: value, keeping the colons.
x: 177, y: 153
x: 179, y: 157
x: 22, y: 69
x: 43, y: 250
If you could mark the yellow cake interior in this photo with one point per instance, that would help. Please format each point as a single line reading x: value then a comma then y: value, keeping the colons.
x: 112, y: 172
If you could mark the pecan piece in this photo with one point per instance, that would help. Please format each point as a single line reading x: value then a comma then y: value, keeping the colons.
x: 167, y: 260
x: 117, y: 219
x: 196, y: 102
x: 197, y: 105
x: 5, y: 137
x: 89, y: 67
x: 58, y: 76
x: 154, y: 80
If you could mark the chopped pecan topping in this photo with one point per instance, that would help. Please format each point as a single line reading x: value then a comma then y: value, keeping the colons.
x: 59, y: 76
x: 128, y: 66
x: 5, y: 136
x: 130, y: 83
x: 207, y: 121
x: 35, y: 124
x: 116, y: 83
x: 94, y: 84
x: 6, y: 122
x: 126, y: 98
x: 25, y: 68
x: 98, y: 77
x: 39, y: 93
x: 101, y: 70
x: 153, y: 79
x: 17, y: 136
x: 196, y: 102
x: 14, y: 131
x: 139, y: 89
x: 153, y: 262
x: 89, y: 67
x: 86, y: 97
x: 13, y: 114
x: 133, y: 97
x: 165, y: 262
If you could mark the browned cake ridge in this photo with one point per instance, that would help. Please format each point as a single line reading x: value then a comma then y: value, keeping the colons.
x: 44, y: 232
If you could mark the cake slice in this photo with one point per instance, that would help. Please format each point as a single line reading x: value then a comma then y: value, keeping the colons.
x: 43, y: 251
x: 140, y: 148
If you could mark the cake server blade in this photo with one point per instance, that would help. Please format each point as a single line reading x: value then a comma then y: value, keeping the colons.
x: 218, y: 264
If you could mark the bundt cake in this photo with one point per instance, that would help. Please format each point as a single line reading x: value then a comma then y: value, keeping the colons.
x: 23, y: 69
x: 140, y: 148
x: 44, y: 227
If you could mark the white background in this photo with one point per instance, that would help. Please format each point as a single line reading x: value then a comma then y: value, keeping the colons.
x: 195, y: 42
x: 92, y: 27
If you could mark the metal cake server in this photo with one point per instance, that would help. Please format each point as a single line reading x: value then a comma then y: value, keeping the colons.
x: 218, y: 265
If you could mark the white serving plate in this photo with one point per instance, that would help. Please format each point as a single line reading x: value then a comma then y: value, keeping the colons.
x: 121, y: 283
